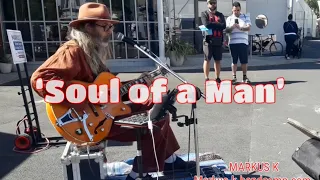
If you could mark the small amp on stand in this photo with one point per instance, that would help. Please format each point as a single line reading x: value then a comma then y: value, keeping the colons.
x: 31, y: 136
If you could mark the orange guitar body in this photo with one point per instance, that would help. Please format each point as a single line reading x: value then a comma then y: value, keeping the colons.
x: 93, y: 124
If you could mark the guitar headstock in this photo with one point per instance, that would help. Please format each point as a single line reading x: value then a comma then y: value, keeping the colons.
x: 159, y: 71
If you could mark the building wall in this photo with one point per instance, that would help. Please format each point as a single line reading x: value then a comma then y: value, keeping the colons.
x: 276, y: 13
x: 185, y: 8
x: 304, y: 17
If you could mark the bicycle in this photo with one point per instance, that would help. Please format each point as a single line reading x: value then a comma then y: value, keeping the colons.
x: 275, y: 46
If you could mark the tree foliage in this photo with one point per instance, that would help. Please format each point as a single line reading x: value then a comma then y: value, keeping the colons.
x: 313, y: 4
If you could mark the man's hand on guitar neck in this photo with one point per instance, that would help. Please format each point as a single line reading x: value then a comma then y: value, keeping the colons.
x: 147, y: 78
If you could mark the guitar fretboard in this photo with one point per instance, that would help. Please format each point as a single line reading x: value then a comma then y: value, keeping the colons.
x: 125, y: 88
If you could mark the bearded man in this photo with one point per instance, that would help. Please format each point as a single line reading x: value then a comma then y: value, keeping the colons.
x: 81, y: 58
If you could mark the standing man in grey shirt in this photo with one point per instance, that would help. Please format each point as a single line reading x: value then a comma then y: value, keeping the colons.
x: 213, y: 41
x: 238, y: 25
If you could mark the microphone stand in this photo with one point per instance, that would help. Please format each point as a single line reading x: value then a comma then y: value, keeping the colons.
x: 193, y: 107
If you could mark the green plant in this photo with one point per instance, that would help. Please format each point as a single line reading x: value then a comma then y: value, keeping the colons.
x: 4, y: 59
x: 181, y: 48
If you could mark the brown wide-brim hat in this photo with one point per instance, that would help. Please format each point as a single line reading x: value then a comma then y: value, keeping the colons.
x: 90, y: 12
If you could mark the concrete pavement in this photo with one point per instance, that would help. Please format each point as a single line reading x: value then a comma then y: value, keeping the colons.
x: 195, y: 63
x: 192, y: 64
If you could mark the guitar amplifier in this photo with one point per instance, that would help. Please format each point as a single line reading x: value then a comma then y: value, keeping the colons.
x: 78, y: 164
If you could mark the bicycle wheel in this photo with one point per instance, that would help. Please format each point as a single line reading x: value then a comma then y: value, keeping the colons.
x: 256, y: 47
x: 276, y: 49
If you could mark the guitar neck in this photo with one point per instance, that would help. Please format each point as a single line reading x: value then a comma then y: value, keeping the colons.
x: 125, y: 88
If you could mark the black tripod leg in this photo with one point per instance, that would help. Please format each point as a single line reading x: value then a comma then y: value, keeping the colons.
x: 139, y: 153
x: 196, y: 140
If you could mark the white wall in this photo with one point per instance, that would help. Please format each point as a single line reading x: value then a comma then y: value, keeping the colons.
x: 276, y: 13
x: 224, y: 6
x: 185, y: 8
x: 304, y: 17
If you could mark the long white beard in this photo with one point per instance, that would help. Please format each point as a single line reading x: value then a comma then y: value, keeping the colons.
x: 104, y: 44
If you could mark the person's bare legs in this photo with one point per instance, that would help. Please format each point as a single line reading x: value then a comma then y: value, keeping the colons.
x: 217, y: 56
x: 234, y: 68
x: 206, y: 68
x: 217, y: 68
x: 244, y: 68
x: 244, y: 62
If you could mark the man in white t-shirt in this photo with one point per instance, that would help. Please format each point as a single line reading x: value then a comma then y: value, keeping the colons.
x: 238, y: 25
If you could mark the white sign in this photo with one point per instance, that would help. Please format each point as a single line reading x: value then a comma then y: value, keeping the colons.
x: 16, y: 45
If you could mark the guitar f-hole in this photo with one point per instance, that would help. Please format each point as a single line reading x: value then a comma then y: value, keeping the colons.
x: 94, y: 110
x: 100, y: 124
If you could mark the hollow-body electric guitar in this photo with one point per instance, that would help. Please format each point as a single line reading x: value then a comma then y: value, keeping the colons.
x: 93, y: 124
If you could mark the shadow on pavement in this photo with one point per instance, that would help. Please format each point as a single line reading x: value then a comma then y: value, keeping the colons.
x: 111, y: 143
x: 15, y: 83
x: 9, y: 158
x: 294, y: 66
x: 275, y: 82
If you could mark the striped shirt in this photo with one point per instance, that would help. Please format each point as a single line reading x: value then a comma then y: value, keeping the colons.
x: 237, y: 36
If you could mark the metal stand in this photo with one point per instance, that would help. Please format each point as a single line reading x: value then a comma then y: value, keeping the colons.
x: 189, y: 121
x: 73, y: 169
x: 163, y: 65
x: 36, y: 135
x: 139, y: 153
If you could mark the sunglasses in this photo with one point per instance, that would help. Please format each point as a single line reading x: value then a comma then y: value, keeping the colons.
x: 213, y: 3
x: 106, y: 27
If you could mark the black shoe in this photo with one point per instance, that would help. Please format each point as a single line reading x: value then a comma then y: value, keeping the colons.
x: 218, y: 80
x: 234, y: 80
x: 246, y: 80
x: 179, y: 165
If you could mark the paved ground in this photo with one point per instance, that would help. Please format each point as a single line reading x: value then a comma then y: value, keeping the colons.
x: 239, y: 133
x: 193, y: 63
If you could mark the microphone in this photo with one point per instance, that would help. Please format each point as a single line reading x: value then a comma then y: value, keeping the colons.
x: 121, y: 37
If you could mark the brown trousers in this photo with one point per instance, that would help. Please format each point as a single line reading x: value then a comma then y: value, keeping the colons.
x: 165, y: 142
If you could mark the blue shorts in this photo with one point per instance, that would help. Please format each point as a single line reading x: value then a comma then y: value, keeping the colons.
x: 239, y: 52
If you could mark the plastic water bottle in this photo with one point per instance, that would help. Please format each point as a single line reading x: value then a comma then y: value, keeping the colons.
x: 117, y: 168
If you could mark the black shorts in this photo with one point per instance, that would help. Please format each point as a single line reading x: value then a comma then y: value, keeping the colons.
x: 239, y: 52
x: 210, y: 52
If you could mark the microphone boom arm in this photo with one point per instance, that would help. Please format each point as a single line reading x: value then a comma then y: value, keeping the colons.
x: 165, y: 66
